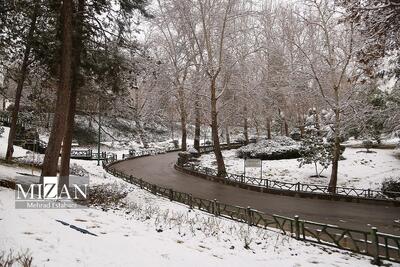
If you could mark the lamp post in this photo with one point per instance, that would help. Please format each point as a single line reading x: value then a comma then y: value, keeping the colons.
x: 99, y: 134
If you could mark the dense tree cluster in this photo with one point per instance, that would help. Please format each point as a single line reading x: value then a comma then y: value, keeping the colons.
x: 219, y: 64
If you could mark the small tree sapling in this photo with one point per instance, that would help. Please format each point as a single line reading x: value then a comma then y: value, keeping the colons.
x: 368, y: 145
x: 314, y: 150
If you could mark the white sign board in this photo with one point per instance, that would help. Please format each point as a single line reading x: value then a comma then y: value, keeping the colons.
x: 252, y: 163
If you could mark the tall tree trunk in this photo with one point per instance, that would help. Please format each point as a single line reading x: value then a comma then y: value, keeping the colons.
x: 172, y: 130
x: 140, y: 129
x: 50, y: 161
x: 317, y: 125
x: 336, y: 149
x: 228, y: 137
x: 138, y: 120
x: 301, y: 127
x: 20, y: 85
x: 67, y: 141
x: 197, y: 124
x: 214, y: 131
x: 286, y: 127
x: 245, y: 126
x: 76, y: 81
x: 257, y: 129
x: 48, y: 120
x: 282, y: 119
x: 269, y: 128
x: 301, y: 124
x: 182, y: 108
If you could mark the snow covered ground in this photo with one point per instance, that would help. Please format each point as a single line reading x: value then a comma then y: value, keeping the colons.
x: 150, y: 231
x: 145, y: 230
x: 360, y: 170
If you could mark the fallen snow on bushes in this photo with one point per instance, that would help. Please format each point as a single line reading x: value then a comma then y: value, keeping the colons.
x: 358, y: 169
x: 276, y: 148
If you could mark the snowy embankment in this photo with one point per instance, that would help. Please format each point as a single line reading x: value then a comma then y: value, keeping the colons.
x: 359, y: 170
x: 146, y: 230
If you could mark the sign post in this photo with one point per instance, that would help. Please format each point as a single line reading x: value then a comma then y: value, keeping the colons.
x: 252, y: 163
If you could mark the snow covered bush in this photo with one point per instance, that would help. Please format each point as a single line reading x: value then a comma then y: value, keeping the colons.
x: 314, y: 150
x: 368, y: 145
x: 11, y: 259
x: 239, y: 138
x: 193, y: 151
x: 107, y: 195
x: 77, y: 170
x: 391, y: 185
x: 1, y: 131
x: 295, y: 134
x: 31, y: 158
x: 280, y: 147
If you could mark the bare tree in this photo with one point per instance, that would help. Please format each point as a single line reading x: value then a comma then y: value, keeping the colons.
x: 328, y: 48
x: 176, y: 49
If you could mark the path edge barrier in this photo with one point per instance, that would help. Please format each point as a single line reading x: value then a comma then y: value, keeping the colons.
x: 295, y: 192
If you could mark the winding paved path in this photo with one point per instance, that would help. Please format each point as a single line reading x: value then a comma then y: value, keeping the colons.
x: 159, y: 170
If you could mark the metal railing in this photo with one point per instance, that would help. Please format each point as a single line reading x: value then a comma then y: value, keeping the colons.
x: 155, y: 151
x: 296, y: 187
x: 5, y: 118
x: 147, y: 152
x: 88, y: 154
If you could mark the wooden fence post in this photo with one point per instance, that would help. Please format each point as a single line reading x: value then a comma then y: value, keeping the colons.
x: 249, y: 217
x: 171, y: 194
x: 297, y: 226
x: 216, y: 208
x: 141, y: 183
x: 154, y: 189
x: 190, y: 201
x: 375, y: 244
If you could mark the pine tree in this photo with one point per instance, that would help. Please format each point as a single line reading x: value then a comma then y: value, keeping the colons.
x: 27, y: 11
x: 314, y: 150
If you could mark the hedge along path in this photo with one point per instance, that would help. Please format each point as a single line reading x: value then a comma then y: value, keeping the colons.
x: 372, y: 243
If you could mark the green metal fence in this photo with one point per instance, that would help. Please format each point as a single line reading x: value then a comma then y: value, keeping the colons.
x: 295, y: 187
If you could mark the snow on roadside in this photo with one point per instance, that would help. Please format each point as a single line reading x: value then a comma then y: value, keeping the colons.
x: 360, y: 170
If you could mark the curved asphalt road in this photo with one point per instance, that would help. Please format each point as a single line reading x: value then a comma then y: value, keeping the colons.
x: 159, y: 170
